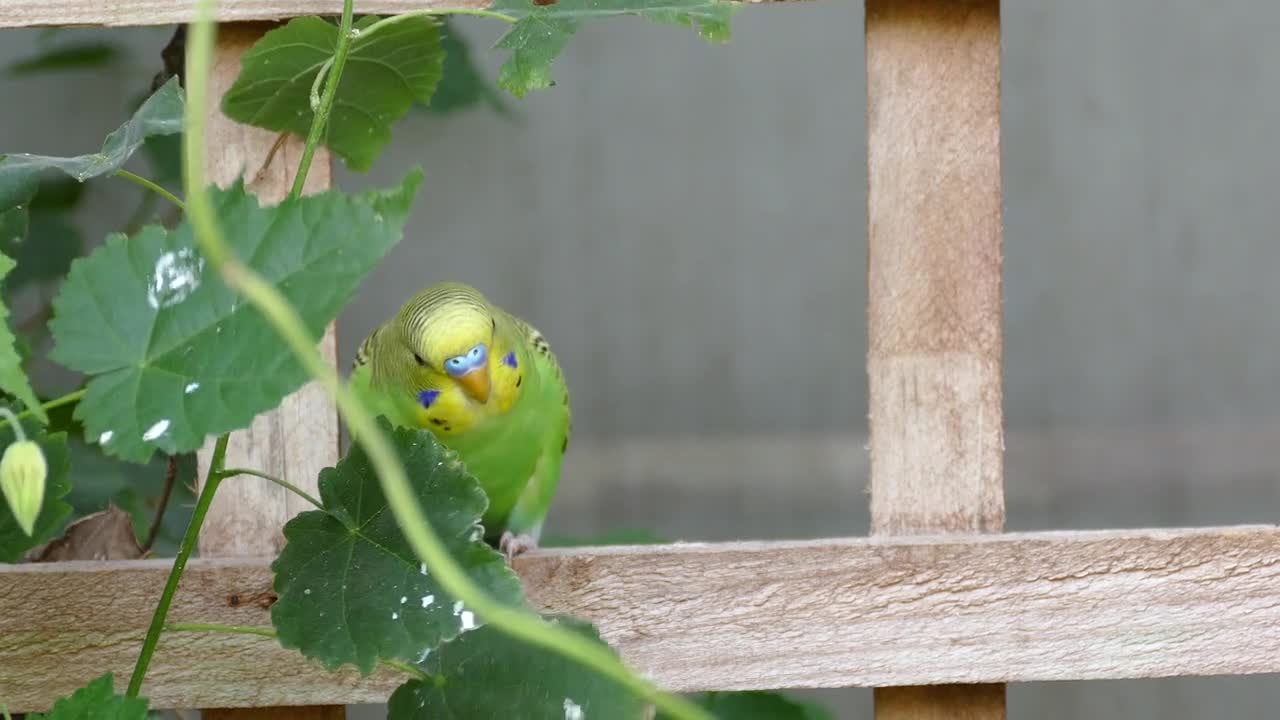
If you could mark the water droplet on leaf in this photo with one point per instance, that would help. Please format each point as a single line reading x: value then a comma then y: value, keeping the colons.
x: 176, y: 276
x: 155, y: 431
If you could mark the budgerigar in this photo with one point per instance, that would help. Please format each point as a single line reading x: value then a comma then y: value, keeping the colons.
x: 487, y: 385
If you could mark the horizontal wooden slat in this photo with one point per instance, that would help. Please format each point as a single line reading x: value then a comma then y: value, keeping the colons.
x: 820, y: 613
x: 34, y: 13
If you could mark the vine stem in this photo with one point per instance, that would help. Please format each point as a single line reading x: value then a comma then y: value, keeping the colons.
x: 517, y: 623
x: 153, y: 187
x: 317, y: 101
x: 437, y: 12
x: 232, y: 472
x: 462, y: 11
x: 269, y: 633
x: 179, y: 564
x: 54, y: 403
x: 321, y: 120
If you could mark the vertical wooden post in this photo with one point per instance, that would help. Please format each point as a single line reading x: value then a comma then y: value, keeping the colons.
x: 934, y: 360
x: 301, y: 436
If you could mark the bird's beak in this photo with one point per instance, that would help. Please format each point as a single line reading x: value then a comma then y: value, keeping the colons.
x: 476, y: 384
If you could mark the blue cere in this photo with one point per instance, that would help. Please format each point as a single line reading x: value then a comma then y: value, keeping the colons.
x: 426, y: 397
x: 460, y: 365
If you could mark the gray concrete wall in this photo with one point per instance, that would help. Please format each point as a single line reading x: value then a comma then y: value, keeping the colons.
x: 686, y: 221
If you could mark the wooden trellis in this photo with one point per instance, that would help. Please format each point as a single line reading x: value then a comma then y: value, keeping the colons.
x: 936, y: 610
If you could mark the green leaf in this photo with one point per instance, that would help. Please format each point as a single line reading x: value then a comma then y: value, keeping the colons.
x: 176, y: 354
x: 161, y: 114
x: 351, y: 589
x: 13, y: 227
x: 462, y: 85
x: 53, y: 511
x: 57, y: 194
x: 486, y: 674
x: 80, y: 56
x: 542, y: 31
x: 13, y: 379
x: 758, y: 706
x: 46, y: 253
x: 39, y: 237
x: 97, y: 701
x: 534, y: 42
x: 389, y: 68
x: 165, y: 154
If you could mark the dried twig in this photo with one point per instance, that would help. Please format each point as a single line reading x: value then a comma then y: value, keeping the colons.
x: 170, y: 476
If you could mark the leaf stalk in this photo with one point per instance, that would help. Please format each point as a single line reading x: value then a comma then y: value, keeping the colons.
x: 436, y: 12
x: 232, y: 472
x: 67, y: 399
x: 152, y: 186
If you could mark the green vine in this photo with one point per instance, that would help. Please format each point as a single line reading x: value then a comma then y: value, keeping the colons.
x: 124, y: 317
x: 212, y: 479
x: 321, y: 120
x: 391, y: 474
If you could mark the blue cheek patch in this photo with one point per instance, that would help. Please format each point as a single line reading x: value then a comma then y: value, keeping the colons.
x: 510, y: 359
x: 426, y: 397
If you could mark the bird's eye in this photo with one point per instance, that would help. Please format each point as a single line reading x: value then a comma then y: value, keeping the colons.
x: 421, y: 362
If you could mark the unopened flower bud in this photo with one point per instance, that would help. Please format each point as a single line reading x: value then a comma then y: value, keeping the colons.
x: 22, y: 476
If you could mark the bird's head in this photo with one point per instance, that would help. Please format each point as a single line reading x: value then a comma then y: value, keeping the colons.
x: 448, y: 341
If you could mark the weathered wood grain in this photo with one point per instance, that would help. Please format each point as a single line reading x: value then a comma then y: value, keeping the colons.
x: 34, y: 13
x: 933, y: 282
x: 933, y: 103
x: 875, y: 612
x: 299, y: 438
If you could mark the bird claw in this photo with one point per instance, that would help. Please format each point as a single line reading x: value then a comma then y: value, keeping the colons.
x: 511, y: 545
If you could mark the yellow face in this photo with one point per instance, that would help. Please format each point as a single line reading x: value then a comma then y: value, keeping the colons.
x: 461, y: 371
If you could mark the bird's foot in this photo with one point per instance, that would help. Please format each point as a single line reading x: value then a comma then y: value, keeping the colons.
x: 511, y: 545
